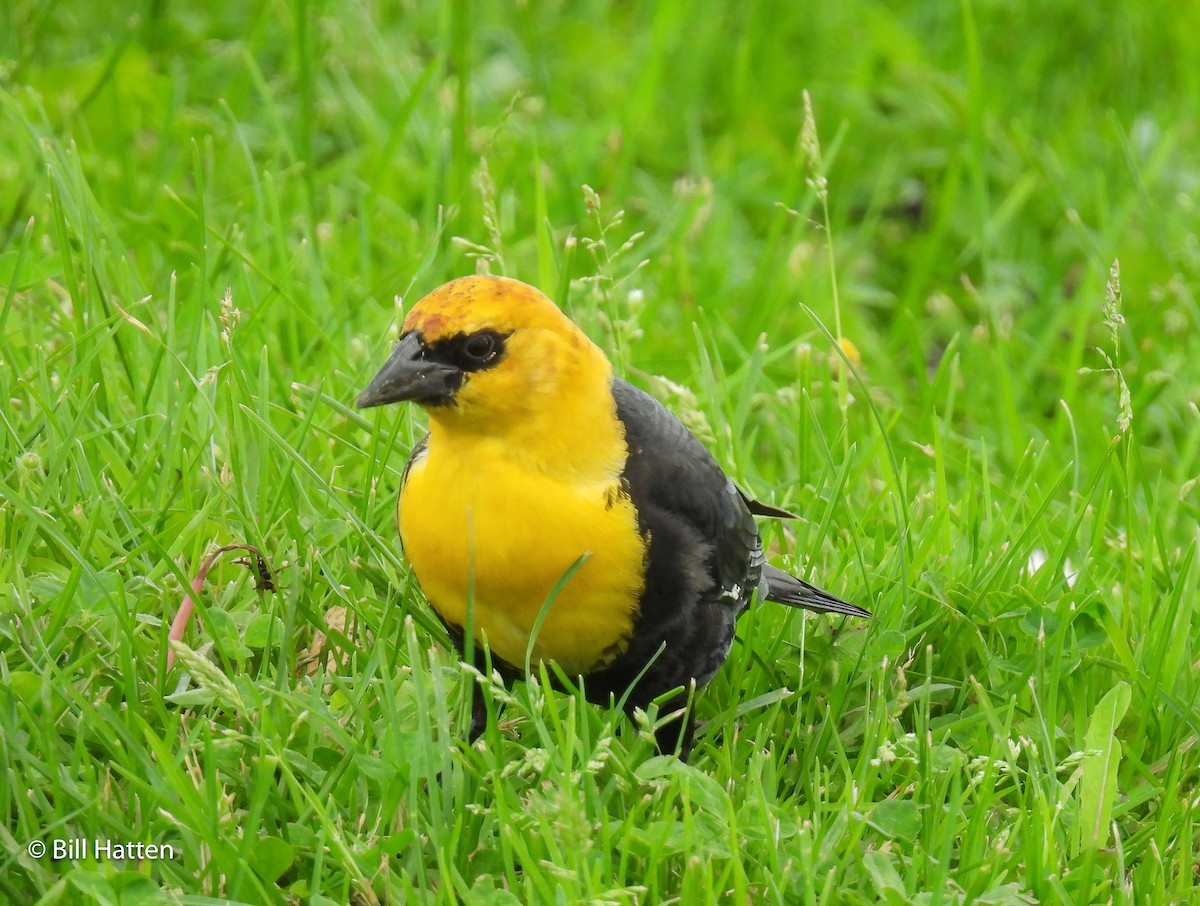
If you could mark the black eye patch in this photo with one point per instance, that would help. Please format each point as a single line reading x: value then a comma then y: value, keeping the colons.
x: 476, y: 351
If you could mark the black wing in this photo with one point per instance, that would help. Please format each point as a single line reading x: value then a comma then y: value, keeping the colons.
x: 677, y: 484
x: 420, y: 448
x: 703, y: 559
x: 702, y: 534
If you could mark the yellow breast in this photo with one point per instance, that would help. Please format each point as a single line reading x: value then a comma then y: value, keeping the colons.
x: 477, y: 520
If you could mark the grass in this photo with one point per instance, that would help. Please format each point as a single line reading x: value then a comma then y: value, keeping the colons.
x: 207, y: 219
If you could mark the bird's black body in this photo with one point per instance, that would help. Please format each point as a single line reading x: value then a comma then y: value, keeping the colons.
x: 704, y: 556
x: 704, y: 562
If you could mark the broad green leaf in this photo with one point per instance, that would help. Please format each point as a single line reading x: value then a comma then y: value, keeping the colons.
x: 271, y: 857
x: 1102, y: 754
x: 896, y: 818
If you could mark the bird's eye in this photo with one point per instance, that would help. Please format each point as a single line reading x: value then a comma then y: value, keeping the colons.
x: 481, y: 347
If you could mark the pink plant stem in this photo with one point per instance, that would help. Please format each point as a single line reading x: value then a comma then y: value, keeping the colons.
x: 179, y: 624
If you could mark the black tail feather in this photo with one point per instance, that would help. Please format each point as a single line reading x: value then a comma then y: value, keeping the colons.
x: 787, y: 589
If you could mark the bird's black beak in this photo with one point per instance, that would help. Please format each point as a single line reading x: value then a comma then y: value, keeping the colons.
x: 408, y: 375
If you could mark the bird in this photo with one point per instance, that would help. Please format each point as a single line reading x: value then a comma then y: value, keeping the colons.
x: 556, y: 512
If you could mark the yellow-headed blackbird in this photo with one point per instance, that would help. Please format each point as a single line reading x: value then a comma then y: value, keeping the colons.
x: 536, y: 456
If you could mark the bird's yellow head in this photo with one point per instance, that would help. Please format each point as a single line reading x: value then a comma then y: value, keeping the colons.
x: 487, y: 354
